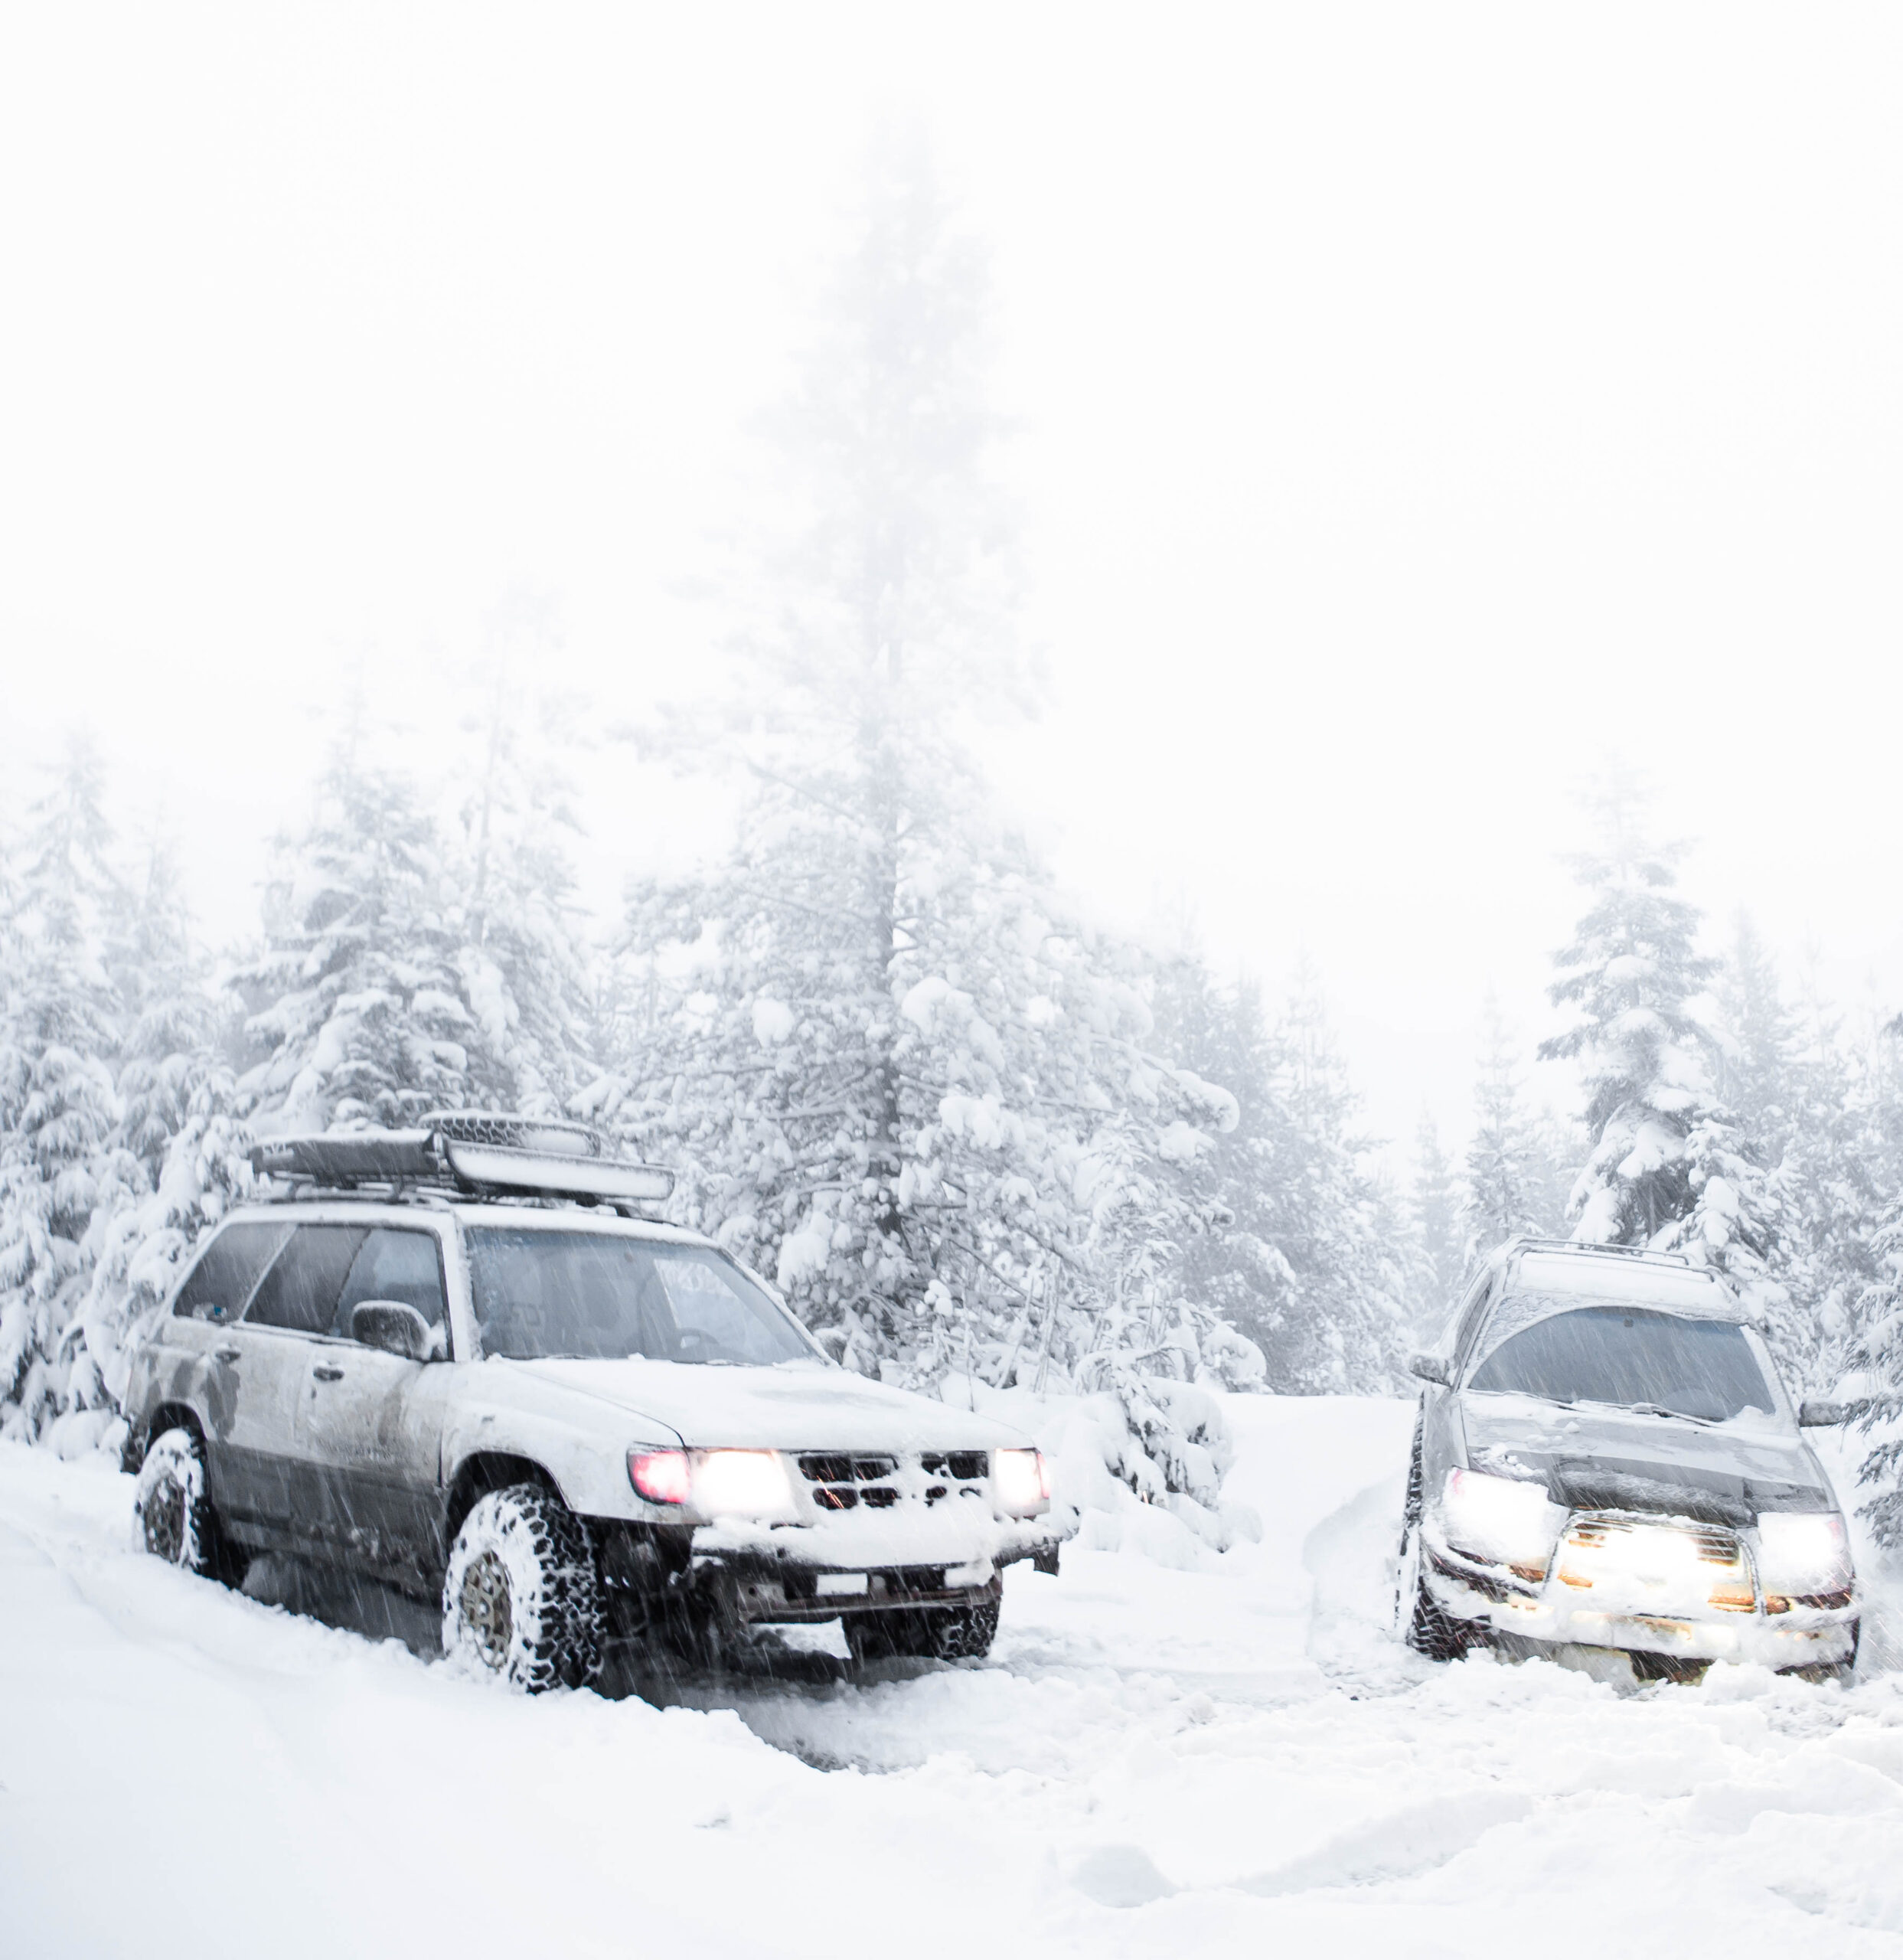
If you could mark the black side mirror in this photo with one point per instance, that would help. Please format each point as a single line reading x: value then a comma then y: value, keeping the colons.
x: 1816, y: 1414
x: 1431, y: 1367
x: 393, y: 1327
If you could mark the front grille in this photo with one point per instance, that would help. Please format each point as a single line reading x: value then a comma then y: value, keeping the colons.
x: 843, y: 1482
x: 1672, y: 1567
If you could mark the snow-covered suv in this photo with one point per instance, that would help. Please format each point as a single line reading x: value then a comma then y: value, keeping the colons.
x: 1606, y: 1458
x: 462, y: 1360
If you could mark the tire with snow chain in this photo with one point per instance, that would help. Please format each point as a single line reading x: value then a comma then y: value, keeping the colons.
x: 522, y: 1598
x: 927, y: 1633
x: 172, y: 1512
x: 1418, y: 1620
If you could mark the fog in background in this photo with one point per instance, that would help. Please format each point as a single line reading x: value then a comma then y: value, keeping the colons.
x: 1416, y: 409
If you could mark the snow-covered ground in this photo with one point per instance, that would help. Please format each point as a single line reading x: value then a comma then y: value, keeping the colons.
x: 1236, y: 1759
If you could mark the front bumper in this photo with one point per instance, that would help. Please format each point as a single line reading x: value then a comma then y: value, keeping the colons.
x: 1639, y: 1616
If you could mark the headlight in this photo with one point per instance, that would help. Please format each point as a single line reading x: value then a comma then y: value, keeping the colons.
x: 1503, y: 1520
x: 659, y: 1475
x: 716, y: 1483
x: 1020, y: 1480
x: 1803, y: 1554
x: 741, y: 1483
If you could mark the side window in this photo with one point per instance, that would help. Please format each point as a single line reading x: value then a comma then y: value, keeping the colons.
x: 227, y: 1270
x: 394, y: 1264
x: 300, y: 1292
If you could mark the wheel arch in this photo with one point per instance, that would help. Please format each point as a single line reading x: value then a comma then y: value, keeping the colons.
x: 484, y: 1471
x: 166, y: 1415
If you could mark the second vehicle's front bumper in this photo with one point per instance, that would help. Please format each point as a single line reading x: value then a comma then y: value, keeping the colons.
x: 1549, y: 1613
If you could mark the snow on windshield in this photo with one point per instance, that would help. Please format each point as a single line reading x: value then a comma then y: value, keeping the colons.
x: 1630, y: 1357
x: 539, y: 1295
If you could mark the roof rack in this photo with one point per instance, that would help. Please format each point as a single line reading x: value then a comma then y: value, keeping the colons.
x: 470, y: 1152
x: 1526, y: 1244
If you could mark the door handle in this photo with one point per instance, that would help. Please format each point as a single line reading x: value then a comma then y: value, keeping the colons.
x: 327, y: 1374
x: 226, y: 1354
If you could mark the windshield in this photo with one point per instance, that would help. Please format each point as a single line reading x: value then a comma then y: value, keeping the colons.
x: 596, y: 1296
x: 1633, y: 1359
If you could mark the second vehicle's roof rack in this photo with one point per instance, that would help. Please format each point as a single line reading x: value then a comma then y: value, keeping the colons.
x: 1526, y: 1244
x: 473, y: 1152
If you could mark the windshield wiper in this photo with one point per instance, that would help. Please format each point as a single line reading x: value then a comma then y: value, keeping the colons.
x: 1676, y: 1415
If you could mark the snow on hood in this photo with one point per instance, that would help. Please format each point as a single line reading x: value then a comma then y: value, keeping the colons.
x: 1595, y: 1457
x: 796, y: 1406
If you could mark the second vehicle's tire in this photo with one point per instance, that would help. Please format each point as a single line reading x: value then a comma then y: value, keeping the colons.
x: 521, y: 1598
x: 924, y: 1633
x: 1418, y: 1620
x: 172, y: 1512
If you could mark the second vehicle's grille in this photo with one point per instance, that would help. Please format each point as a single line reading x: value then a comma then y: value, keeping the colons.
x: 1658, y: 1567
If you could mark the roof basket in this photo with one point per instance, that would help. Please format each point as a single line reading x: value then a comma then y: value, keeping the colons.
x: 1525, y: 1245
x: 472, y: 1152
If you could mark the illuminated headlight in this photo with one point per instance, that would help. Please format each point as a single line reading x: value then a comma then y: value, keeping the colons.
x: 716, y: 1483
x: 1803, y: 1554
x: 742, y: 1483
x: 1504, y: 1521
x: 1020, y: 1479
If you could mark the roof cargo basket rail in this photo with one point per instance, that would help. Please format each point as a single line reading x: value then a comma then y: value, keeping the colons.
x: 470, y: 1153
x: 1525, y: 1244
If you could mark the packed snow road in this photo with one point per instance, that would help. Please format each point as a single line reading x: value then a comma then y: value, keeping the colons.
x: 1153, y: 1761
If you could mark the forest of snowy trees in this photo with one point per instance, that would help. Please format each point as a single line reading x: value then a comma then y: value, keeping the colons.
x: 967, y: 1130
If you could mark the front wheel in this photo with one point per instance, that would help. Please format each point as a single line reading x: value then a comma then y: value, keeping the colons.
x: 1418, y: 1619
x: 522, y: 1599
x: 172, y: 1510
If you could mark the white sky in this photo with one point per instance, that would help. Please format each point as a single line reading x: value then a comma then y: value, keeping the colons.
x: 1419, y: 404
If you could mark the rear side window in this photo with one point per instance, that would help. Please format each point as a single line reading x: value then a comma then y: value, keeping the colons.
x: 300, y: 1292
x: 393, y: 1264
x: 227, y: 1270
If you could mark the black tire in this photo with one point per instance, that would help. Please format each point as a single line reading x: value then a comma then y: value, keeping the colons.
x: 1421, y: 1623
x: 172, y: 1510
x: 521, y: 1598
x: 924, y: 1633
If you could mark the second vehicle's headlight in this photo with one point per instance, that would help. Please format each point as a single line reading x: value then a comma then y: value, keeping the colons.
x: 741, y: 1483
x: 1803, y: 1554
x: 1504, y: 1519
x: 1020, y: 1480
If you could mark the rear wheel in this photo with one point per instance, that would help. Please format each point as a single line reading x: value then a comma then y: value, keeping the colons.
x: 173, y: 1512
x: 522, y: 1599
x: 924, y: 1633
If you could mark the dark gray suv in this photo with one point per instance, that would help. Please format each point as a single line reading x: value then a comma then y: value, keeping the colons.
x: 1606, y: 1458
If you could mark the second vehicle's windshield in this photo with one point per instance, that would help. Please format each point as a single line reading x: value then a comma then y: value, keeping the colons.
x: 1633, y: 1358
x: 598, y: 1296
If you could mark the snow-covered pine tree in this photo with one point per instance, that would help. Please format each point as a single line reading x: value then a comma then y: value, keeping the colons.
x: 898, y: 1072
x: 523, y: 962
x: 1515, y: 1178
x: 60, y: 1029
x: 356, y: 1000
x: 1669, y: 1167
x: 179, y: 1124
x: 1311, y: 1264
x: 1436, y: 1211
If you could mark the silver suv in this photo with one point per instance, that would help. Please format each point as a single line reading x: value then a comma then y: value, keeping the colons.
x: 1606, y: 1458
x: 461, y: 1360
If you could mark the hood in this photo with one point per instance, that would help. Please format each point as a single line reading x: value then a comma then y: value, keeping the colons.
x: 799, y: 1406
x: 1594, y: 1458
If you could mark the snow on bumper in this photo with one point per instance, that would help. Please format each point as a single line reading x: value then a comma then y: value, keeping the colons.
x: 1701, y: 1604
x: 870, y: 1541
